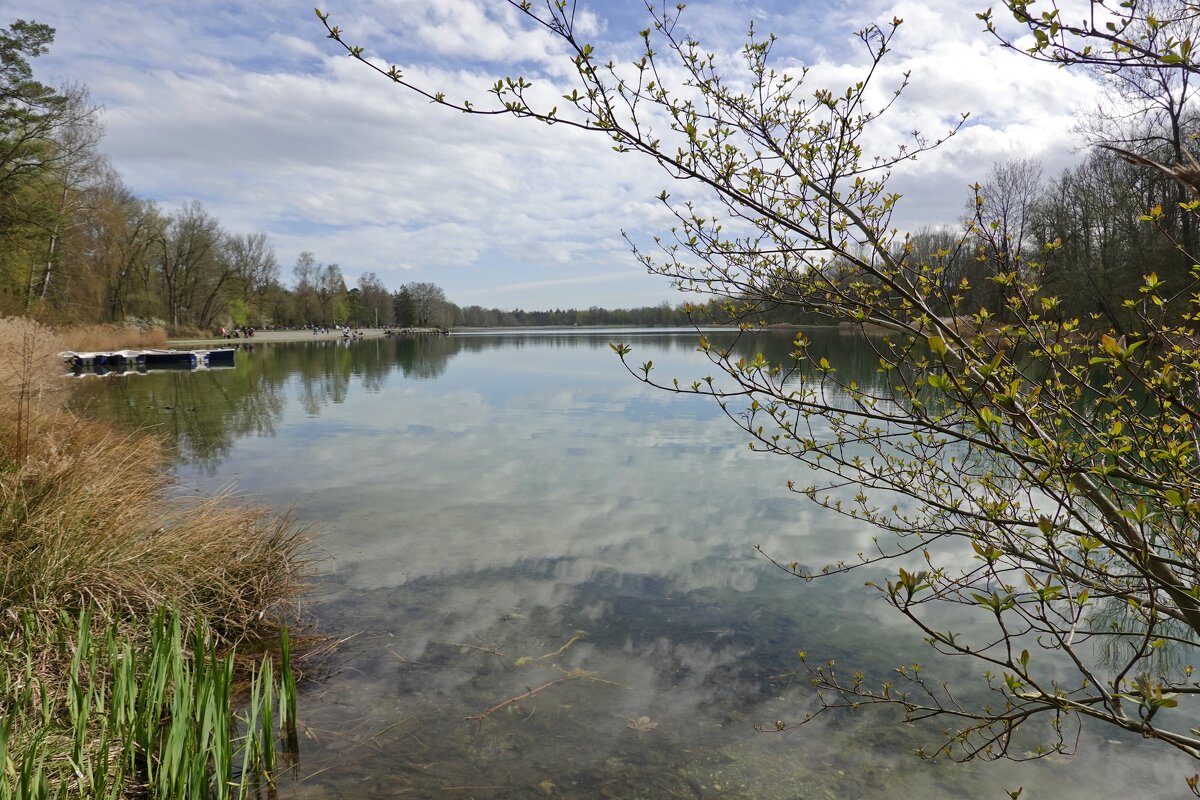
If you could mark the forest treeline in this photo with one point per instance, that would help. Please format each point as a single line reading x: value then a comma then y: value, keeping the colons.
x: 79, y: 246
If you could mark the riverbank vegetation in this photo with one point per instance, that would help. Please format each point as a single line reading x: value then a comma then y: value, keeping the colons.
x: 124, y: 603
x: 1028, y: 456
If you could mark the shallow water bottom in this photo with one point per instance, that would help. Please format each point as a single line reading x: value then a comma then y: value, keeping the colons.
x: 546, y: 576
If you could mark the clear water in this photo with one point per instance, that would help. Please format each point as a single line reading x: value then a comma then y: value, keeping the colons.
x: 513, y: 514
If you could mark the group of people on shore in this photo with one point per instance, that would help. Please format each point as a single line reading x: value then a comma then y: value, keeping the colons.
x: 237, y: 332
x: 345, y: 330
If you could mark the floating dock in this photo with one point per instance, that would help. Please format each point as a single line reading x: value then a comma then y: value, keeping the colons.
x: 150, y: 359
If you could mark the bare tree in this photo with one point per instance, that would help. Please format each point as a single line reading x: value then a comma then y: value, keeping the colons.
x: 252, y: 261
x: 429, y: 304
x: 999, y: 213
x: 305, y: 274
x: 330, y: 289
x: 1149, y: 109
x: 76, y: 162
x: 192, y: 267
x: 947, y: 250
x: 116, y: 242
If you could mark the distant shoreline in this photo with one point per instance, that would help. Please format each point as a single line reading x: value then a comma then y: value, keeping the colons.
x: 266, y: 337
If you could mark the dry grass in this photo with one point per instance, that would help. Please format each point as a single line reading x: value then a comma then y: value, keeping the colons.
x: 88, y: 517
x: 91, y: 526
x: 29, y: 353
x: 111, y: 337
x: 192, y: 332
x: 30, y: 375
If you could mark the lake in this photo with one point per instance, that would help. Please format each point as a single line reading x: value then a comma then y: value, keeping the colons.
x: 545, y: 575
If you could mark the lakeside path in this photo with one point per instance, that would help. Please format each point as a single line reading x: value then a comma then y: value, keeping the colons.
x: 268, y: 337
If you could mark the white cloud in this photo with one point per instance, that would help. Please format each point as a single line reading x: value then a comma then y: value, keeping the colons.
x: 282, y: 42
x: 249, y: 109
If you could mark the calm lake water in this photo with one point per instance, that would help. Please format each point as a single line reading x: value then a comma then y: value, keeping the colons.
x: 513, y: 514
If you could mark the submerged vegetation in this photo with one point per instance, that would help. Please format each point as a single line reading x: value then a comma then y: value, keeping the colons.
x: 124, y: 605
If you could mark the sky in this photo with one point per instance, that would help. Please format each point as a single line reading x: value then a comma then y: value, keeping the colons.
x: 247, y: 107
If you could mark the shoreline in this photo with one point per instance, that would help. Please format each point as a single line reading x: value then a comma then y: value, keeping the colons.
x: 268, y: 337
x: 273, y: 337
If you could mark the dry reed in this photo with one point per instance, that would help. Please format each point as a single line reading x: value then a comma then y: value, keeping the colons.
x: 91, y: 525
x: 30, y: 372
x: 88, y: 517
x: 111, y: 337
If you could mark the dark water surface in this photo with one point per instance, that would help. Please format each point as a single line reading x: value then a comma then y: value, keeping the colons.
x: 512, y: 514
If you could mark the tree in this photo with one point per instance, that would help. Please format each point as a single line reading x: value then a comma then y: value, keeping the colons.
x: 30, y: 112
x: 47, y: 151
x: 1148, y: 108
x: 122, y: 234
x: 280, y: 306
x: 376, y: 302
x: 430, y: 306
x: 1001, y: 211
x: 1103, y: 248
x: 1147, y: 111
x: 404, y: 307
x: 1051, y: 454
x: 1112, y: 34
x: 254, y: 269
x: 320, y: 290
x: 305, y: 272
x: 64, y: 181
x: 354, y: 306
x: 946, y: 247
x: 330, y: 289
x: 192, y: 267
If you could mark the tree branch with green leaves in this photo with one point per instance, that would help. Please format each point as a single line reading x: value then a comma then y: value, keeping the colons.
x: 1033, y: 468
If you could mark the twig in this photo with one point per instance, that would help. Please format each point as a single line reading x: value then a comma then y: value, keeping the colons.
x: 385, y: 730
x: 404, y: 660
x: 587, y: 676
x: 488, y: 650
x: 469, y: 788
x: 578, y: 635
x: 511, y: 700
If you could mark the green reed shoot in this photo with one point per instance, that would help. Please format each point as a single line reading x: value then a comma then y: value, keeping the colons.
x: 164, y: 716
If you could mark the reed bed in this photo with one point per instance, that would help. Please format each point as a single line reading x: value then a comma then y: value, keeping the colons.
x: 90, y: 518
x: 93, y: 534
x: 151, y: 718
x: 112, y: 337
